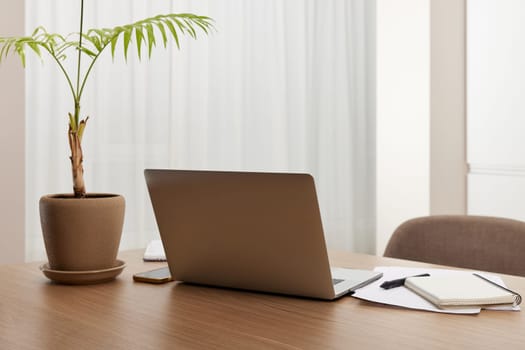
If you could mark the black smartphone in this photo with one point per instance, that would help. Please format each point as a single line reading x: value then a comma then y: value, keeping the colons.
x: 160, y: 275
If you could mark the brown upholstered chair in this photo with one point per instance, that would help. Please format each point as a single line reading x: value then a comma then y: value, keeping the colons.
x: 474, y: 242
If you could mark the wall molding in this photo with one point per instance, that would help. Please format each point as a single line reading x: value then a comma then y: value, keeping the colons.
x: 496, y: 169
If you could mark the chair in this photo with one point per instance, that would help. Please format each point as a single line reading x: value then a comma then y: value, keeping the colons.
x: 474, y: 242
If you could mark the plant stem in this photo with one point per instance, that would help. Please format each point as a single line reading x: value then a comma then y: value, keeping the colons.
x: 89, y: 70
x: 77, y: 97
x: 66, y: 75
x: 74, y: 133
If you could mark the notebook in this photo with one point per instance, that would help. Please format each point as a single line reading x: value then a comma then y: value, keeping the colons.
x: 247, y: 230
x: 461, y: 290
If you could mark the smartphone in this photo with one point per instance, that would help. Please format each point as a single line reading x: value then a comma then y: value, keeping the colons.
x: 161, y: 275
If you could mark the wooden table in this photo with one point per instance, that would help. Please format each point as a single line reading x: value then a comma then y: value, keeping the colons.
x: 37, y: 314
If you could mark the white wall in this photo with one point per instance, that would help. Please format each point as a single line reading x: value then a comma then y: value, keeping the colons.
x: 496, y: 108
x: 403, y: 113
x: 421, y: 165
x: 12, y: 130
x: 407, y: 184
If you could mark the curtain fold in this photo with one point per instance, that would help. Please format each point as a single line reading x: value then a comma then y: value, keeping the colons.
x: 282, y: 85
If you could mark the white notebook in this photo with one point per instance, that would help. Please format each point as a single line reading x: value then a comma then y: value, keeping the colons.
x: 453, y: 291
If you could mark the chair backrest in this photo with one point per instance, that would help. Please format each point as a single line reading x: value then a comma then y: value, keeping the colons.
x: 474, y: 242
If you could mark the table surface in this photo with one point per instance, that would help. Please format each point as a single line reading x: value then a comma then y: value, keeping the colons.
x: 38, y: 314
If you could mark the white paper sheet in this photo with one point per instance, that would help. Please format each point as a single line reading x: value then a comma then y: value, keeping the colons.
x: 403, y: 297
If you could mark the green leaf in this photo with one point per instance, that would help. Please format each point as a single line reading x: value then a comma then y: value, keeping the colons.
x: 151, y: 38
x: 63, y: 47
x: 139, y: 35
x: 127, y: 39
x: 88, y: 52
x: 5, y: 49
x: 113, y: 35
x: 181, y: 25
x: 94, y: 39
x: 52, y: 39
x: 9, y: 48
x: 113, y: 45
x: 205, y: 23
x: 192, y: 31
x: 203, y: 27
x: 35, y: 48
x: 162, y: 32
x: 173, y: 33
x: 19, y: 47
x: 101, y: 33
x: 37, y: 29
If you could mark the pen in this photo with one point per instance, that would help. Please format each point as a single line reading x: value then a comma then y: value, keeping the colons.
x: 399, y: 282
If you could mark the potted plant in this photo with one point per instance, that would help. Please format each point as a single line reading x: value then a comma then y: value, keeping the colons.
x: 82, y: 230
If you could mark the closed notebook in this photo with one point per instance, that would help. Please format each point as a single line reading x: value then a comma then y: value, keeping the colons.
x: 459, y: 290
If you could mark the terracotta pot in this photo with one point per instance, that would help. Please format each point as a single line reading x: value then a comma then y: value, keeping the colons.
x: 82, y: 234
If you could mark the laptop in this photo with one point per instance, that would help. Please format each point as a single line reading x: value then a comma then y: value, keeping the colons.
x: 247, y: 230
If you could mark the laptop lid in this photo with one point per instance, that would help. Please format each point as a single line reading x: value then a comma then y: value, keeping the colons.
x: 254, y: 231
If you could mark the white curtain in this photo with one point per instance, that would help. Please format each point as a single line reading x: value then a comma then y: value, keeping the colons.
x: 281, y: 85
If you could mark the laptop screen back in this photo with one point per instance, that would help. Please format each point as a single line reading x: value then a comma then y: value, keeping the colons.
x: 255, y: 231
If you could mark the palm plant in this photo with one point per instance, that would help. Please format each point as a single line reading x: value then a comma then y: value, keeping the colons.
x: 90, y: 45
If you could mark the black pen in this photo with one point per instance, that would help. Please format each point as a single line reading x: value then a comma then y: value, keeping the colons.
x: 399, y: 282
